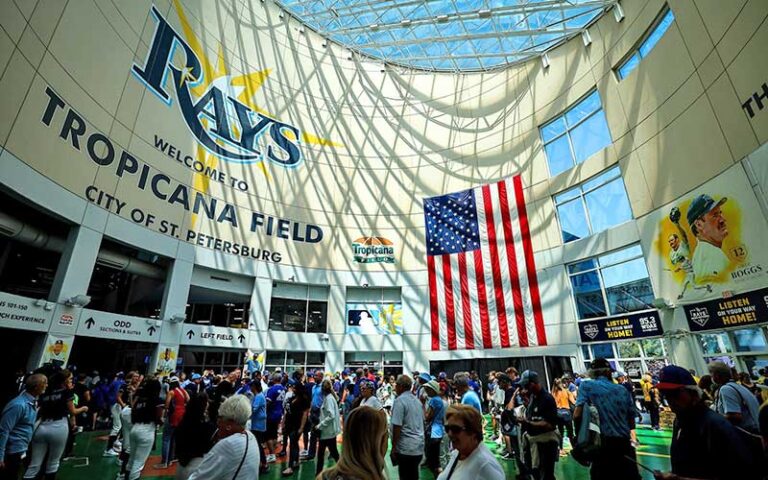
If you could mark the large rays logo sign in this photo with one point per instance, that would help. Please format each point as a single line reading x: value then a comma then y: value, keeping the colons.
x: 218, y: 108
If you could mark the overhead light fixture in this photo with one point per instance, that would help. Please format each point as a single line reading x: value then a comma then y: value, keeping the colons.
x: 441, y: 18
x: 545, y: 60
x: 280, y: 15
x: 374, y: 26
x: 586, y: 38
x: 365, y: 285
x: 484, y: 13
x: 292, y: 278
x: 618, y: 12
x: 405, y: 22
x: 324, y: 44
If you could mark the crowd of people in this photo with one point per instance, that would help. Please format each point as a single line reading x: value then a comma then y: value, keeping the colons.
x: 237, y: 426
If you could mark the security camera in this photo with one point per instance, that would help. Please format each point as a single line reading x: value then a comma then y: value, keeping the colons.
x: 177, y: 318
x: 325, y: 337
x: 78, y: 301
x: 154, y: 322
x: 40, y: 302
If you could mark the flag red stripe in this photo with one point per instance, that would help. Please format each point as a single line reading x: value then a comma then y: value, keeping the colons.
x: 450, y: 317
x: 469, y: 336
x: 433, y: 303
x: 498, y: 291
x: 530, y: 266
x: 482, y: 299
x: 514, y: 276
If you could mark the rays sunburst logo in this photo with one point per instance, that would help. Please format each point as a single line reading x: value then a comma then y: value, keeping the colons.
x: 218, y: 108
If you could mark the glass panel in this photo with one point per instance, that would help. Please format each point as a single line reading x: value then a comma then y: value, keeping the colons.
x: 621, y: 255
x: 582, y: 109
x: 749, y: 340
x: 201, y: 313
x: 608, y: 206
x: 567, y: 195
x: 287, y: 315
x: 590, y: 137
x: 582, y: 266
x: 602, y: 178
x: 585, y: 351
x: 631, y: 63
x: 653, y: 347
x: 628, y: 349
x: 316, y: 358
x: 559, y: 157
x: 712, y: 343
x: 316, y: 319
x: 275, y: 357
x: 602, y: 350
x: 295, y: 360
x: 630, y: 296
x: 573, y: 220
x: 633, y: 368
x: 553, y: 129
x: 657, y: 33
x: 655, y: 366
x: 588, y: 296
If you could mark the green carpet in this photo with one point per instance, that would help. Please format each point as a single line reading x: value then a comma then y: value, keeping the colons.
x: 653, y: 453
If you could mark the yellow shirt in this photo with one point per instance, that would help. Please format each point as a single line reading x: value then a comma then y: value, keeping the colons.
x: 564, y: 399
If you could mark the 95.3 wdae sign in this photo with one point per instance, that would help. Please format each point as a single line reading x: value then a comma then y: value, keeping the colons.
x: 621, y: 327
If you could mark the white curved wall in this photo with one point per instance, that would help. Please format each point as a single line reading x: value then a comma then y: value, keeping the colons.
x: 398, y: 136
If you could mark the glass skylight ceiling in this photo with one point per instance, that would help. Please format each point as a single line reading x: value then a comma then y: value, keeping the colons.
x: 448, y: 35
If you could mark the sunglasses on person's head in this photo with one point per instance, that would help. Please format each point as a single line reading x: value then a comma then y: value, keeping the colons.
x: 454, y: 428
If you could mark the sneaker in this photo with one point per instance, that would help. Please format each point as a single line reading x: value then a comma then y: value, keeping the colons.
x: 110, y: 453
x: 271, y: 458
x: 287, y: 472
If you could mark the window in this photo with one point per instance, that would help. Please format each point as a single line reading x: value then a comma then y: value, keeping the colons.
x: 648, y: 42
x: 234, y: 315
x: 219, y: 360
x: 595, y: 205
x: 299, y: 308
x: 292, y: 361
x: 714, y: 343
x: 575, y: 135
x: 390, y: 363
x: 611, y: 284
x: 632, y: 357
x: 749, y: 340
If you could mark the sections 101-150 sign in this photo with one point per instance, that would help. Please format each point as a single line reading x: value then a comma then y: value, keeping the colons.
x: 621, y: 327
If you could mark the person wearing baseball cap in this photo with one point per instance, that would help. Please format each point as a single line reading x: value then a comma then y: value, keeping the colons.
x: 710, y: 229
x: 616, y: 457
x: 435, y: 418
x: 704, y: 444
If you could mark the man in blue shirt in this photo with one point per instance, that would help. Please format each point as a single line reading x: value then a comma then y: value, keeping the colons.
x: 616, y: 458
x: 468, y: 396
x: 275, y: 396
x: 17, y: 425
x: 314, y: 413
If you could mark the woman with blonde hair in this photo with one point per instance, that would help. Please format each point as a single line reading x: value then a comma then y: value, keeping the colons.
x: 363, y: 447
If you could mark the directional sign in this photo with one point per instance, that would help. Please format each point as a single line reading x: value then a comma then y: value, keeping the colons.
x: 94, y: 323
x: 208, y: 335
x: 21, y: 312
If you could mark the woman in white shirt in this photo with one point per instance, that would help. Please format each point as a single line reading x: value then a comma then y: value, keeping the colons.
x: 236, y: 455
x: 329, y: 426
x: 471, y: 459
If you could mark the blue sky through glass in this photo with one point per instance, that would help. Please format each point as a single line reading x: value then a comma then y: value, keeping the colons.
x: 448, y: 34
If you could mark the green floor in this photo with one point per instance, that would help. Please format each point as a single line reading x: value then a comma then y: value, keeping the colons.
x: 653, y: 452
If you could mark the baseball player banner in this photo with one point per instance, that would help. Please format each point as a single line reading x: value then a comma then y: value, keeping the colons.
x: 166, y: 361
x: 710, y: 241
x: 375, y: 318
x: 57, y: 348
x: 622, y: 327
x: 742, y: 310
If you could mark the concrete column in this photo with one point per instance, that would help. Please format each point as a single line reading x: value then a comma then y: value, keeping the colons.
x: 175, y: 296
x: 75, y: 268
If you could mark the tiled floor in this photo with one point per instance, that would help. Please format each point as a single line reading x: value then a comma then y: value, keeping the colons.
x: 653, y: 452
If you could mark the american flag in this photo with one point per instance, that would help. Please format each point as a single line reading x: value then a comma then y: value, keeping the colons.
x: 483, y: 291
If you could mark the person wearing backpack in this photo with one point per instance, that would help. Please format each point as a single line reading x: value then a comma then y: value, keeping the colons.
x: 615, y: 458
x: 705, y: 445
x: 733, y: 400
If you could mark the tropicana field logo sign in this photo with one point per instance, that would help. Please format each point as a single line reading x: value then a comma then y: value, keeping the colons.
x: 227, y: 127
x: 373, y: 250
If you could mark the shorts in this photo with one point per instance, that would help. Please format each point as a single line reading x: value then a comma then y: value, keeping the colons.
x: 271, y: 432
